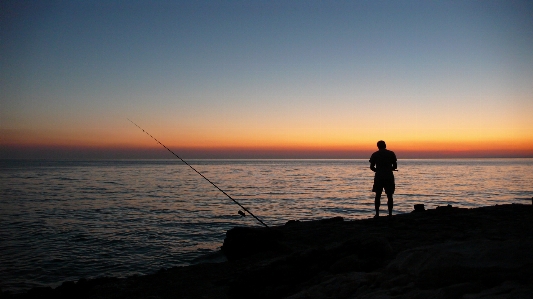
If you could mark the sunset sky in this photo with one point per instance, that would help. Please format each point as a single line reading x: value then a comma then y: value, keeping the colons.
x: 266, y: 79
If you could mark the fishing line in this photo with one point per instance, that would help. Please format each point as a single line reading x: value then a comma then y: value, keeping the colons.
x: 248, y: 211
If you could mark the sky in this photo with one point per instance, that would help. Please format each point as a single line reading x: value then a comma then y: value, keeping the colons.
x: 265, y: 79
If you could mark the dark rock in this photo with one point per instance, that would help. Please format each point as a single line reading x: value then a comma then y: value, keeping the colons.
x: 459, y: 290
x: 419, y: 208
x: 84, y: 285
x: 480, y: 261
x: 243, y: 242
x: 282, y: 277
x: 446, y: 209
x: 507, y: 289
x: 332, y: 220
x: 375, y: 248
x: 82, y: 281
x: 5, y: 294
x: 396, y: 281
x: 40, y: 292
x: 292, y: 222
x: 66, y: 287
x: 351, y: 263
x: 360, y: 254
x: 338, y: 286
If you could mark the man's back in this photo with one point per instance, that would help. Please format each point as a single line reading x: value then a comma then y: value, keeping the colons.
x: 384, y: 160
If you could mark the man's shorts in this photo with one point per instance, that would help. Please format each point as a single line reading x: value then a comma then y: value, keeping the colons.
x: 384, y: 181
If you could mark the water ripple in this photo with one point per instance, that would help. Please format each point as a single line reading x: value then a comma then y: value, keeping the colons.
x: 63, y: 220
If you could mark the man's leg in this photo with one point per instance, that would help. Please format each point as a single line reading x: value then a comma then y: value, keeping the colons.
x: 390, y: 203
x: 377, y: 201
x: 389, y: 189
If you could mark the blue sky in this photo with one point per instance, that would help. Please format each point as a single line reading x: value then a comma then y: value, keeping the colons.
x: 262, y: 74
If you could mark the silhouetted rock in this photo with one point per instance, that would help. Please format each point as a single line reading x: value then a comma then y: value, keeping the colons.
x: 419, y: 208
x: 242, y: 242
x: 488, y: 262
x: 40, y: 292
x: 445, y: 209
x: 290, y: 222
x: 331, y: 220
x: 67, y: 289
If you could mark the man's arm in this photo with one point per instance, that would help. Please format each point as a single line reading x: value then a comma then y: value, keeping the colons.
x: 394, y: 165
x: 373, y: 162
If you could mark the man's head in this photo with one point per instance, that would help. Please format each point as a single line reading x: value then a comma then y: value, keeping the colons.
x: 381, y: 144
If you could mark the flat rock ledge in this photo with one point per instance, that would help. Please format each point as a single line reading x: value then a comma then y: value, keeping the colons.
x: 439, y: 253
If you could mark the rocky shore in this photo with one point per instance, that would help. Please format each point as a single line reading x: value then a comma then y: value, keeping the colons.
x: 445, y: 252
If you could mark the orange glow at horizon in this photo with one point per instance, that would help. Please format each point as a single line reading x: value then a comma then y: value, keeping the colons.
x: 318, y: 140
x: 403, y: 148
x: 330, y: 145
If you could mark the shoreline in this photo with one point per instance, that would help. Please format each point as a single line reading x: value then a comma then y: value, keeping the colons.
x: 443, y: 252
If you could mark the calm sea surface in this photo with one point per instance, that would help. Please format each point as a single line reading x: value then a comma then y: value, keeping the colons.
x: 64, y: 220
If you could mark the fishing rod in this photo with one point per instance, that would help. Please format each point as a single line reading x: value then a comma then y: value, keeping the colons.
x: 240, y: 213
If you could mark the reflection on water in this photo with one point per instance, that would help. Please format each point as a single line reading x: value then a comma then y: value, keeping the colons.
x: 66, y: 220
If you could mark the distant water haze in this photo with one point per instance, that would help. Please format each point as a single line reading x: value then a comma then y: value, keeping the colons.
x: 64, y: 220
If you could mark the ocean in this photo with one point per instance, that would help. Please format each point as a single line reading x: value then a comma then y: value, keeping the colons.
x: 66, y: 220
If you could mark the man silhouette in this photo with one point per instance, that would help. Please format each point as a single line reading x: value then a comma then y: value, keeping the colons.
x: 383, y: 163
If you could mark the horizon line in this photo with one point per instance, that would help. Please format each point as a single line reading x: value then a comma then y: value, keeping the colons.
x: 12, y: 152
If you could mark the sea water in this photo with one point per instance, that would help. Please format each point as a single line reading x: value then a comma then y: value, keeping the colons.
x: 66, y: 220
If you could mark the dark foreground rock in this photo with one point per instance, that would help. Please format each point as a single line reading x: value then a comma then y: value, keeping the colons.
x: 442, y: 253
